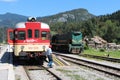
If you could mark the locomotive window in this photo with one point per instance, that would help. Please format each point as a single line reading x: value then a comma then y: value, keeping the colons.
x: 29, y: 33
x: 76, y: 34
x: 36, y: 33
x: 11, y: 36
x: 21, y: 35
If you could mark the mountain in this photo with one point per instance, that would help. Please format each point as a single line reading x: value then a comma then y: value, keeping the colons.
x: 75, y: 15
x: 10, y: 19
x: 74, y: 20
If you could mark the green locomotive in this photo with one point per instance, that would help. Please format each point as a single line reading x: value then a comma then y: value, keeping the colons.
x: 70, y: 42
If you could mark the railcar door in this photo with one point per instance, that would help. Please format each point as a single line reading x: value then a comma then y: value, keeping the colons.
x: 10, y: 39
x: 10, y: 36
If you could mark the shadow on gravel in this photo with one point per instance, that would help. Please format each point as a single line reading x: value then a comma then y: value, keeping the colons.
x: 28, y: 62
x: 6, y: 57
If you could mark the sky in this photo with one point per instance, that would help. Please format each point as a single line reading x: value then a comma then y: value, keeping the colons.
x: 41, y: 8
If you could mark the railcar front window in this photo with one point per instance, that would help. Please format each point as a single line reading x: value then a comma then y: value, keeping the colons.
x: 21, y: 35
x: 36, y: 33
x: 44, y: 35
x: 29, y: 33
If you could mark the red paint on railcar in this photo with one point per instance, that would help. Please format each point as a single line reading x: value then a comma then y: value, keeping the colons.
x: 30, y: 33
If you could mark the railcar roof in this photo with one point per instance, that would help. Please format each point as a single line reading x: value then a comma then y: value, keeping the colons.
x: 22, y: 25
x: 44, y: 25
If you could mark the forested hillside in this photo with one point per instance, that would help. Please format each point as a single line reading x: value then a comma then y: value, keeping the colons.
x: 106, y: 26
x: 9, y: 20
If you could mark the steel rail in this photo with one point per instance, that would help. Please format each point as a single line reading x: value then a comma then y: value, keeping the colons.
x: 39, y: 68
x: 97, y: 66
x: 102, y: 57
x: 58, y: 78
x: 26, y: 71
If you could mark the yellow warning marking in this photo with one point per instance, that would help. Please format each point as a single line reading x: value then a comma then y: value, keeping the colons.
x: 58, y: 61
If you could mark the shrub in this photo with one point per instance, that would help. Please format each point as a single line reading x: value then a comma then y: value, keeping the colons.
x: 102, y: 50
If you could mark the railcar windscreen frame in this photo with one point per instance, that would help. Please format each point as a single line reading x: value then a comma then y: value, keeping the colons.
x: 37, y: 32
x: 29, y: 32
x: 11, y: 34
x: 21, y: 35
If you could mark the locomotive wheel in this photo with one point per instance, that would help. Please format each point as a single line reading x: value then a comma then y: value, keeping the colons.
x: 71, y: 51
x: 81, y: 50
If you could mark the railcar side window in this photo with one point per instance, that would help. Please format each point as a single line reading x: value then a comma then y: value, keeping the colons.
x: 45, y: 35
x: 21, y: 35
x: 29, y: 33
x: 36, y: 33
x: 48, y: 35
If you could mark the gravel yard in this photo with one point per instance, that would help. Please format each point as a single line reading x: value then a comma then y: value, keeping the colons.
x: 65, y: 72
x: 78, y: 73
x: 20, y: 73
x: 41, y: 75
x: 72, y: 72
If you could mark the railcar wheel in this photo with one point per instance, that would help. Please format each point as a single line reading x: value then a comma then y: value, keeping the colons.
x: 41, y: 60
x: 15, y: 59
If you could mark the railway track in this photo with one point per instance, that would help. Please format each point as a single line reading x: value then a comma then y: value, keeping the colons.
x: 40, y: 73
x: 101, y: 57
x: 110, y: 70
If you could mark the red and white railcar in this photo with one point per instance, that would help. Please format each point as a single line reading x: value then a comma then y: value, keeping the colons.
x: 29, y: 38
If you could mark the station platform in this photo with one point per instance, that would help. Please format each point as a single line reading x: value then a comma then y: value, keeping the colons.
x: 6, y: 72
x: 6, y: 69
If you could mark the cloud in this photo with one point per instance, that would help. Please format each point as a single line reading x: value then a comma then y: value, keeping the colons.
x: 8, y: 0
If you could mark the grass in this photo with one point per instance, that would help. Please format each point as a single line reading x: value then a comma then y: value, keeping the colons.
x: 71, y: 74
x: 64, y: 71
x: 102, y: 52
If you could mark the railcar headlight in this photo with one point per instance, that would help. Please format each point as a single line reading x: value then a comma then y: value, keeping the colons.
x: 22, y: 47
x: 43, y: 48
